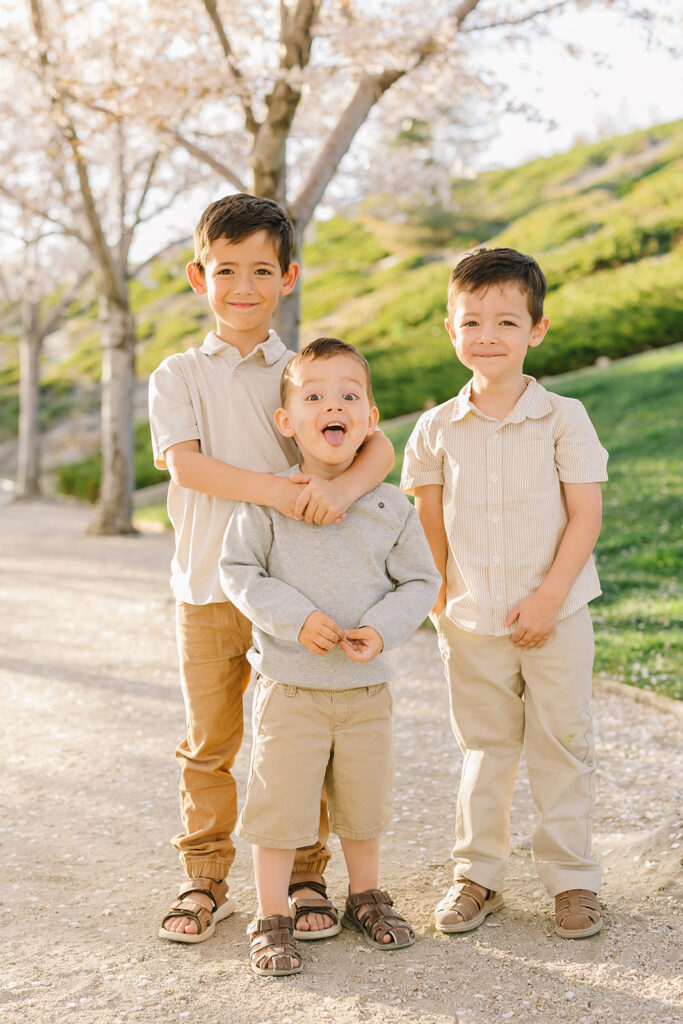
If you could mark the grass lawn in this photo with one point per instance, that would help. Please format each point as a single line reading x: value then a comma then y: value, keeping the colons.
x: 634, y: 405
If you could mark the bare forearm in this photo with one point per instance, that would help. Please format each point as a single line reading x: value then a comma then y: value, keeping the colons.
x: 429, y: 505
x: 369, y: 468
x: 199, y: 472
x: 576, y: 546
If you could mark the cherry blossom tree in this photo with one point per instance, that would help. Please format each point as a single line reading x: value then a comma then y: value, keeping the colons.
x: 286, y: 92
x: 74, y: 157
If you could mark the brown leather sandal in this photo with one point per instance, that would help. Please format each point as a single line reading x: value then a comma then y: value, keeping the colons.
x: 302, y: 905
x: 377, y: 919
x: 463, y: 899
x: 272, y: 941
x: 577, y: 914
x: 223, y: 906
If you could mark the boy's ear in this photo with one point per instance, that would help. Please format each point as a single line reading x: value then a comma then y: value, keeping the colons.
x: 449, y: 327
x: 373, y: 420
x: 289, y: 279
x: 283, y: 423
x: 196, y: 277
x: 539, y: 331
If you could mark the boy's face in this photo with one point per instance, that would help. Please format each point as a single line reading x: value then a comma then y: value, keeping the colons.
x: 243, y: 282
x: 328, y: 413
x: 491, y: 331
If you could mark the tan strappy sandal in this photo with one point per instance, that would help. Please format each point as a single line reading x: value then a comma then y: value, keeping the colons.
x: 272, y: 942
x: 464, y: 900
x: 377, y: 920
x: 185, y: 906
x: 302, y: 905
x: 577, y: 914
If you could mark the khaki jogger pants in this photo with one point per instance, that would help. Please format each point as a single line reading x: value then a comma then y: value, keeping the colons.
x: 213, y: 640
x: 503, y: 698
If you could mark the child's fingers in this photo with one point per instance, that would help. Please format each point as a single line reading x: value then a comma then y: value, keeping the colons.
x: 302, y: 502
x: 353, y: 651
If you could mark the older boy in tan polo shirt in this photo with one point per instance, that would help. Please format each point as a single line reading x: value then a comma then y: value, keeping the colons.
x: 211, y: 414
x: 506, y: 482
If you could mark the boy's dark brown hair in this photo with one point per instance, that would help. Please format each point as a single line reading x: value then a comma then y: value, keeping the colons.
x: 483, y: 267
x: 323, y: 348
x: 237, y: 217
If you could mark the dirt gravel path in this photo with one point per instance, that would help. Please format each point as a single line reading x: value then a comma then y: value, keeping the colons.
x: 91, y: 714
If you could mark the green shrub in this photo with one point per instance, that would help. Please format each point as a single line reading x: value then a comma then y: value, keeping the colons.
x: 82, y: 479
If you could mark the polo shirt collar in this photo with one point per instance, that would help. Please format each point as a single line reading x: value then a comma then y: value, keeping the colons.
x: 533, y: 404
x: 272, y: 348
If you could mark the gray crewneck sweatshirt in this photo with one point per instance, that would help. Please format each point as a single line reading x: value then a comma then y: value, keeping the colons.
x: 373, y: 569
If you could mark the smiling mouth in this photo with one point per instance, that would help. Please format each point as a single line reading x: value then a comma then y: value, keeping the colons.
x: 334, y: 434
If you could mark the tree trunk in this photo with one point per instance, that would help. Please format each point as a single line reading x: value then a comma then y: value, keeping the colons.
x: 115, y: 508
x: 28, y: 455
x: 286, y: 318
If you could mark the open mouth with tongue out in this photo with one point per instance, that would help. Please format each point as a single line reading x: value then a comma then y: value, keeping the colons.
x: 334, y: 434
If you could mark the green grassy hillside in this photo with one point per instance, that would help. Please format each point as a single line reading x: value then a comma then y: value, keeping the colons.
x: 603, y: 220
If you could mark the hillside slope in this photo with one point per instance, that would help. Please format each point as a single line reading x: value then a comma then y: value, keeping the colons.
x: 603, y: 220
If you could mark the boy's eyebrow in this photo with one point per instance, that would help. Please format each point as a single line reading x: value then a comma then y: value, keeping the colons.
x: 254, y: 263
x: 502, y: 312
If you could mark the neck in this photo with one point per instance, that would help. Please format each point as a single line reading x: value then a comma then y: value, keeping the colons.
x: 496, y: 398
x: 322, y: 469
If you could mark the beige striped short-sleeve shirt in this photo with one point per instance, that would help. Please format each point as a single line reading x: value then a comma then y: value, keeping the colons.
x: 504, y: 511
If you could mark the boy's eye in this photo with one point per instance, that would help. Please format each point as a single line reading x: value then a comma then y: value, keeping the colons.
x: 349, y: 397
x: 264, y: 272
x: 509, y: 323
x: 314, y: 397
x: 470, y: 323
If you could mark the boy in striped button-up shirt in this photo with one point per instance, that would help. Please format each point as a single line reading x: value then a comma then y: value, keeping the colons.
x: 506, y: 478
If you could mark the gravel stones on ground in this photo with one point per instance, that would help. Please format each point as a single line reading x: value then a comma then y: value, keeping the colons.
x: 92, y: 713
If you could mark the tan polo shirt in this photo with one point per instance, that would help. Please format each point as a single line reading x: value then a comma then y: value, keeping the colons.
x: 504, y: 511
x: 226, y: 402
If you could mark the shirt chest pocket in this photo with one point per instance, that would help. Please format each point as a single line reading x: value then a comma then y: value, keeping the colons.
x: 529, y: 469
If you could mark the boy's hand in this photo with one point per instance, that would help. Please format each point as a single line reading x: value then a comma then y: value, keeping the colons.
x: 321, y: 502
x: 320, y: 633
x: 362, y: 644
x: 536, y: 617
x: 286, y: 493
x: 438, y: 605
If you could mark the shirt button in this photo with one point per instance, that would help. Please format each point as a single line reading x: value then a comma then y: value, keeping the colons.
x: 237, y: 373
x: 494, y: 519
x: 496, y: 558
x: 494, y: 477
x: 380, y: 504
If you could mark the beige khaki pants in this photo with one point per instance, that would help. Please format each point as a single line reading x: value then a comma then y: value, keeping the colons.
x: 503, y: 698
x: 213, y: 640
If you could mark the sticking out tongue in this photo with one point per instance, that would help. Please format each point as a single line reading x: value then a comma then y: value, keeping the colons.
x: 334, y: 435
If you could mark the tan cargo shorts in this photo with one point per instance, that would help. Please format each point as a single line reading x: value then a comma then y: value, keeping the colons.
x: 304, y: 738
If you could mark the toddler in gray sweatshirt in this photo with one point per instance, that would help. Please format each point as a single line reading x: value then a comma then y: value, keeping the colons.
x: 326, y: 605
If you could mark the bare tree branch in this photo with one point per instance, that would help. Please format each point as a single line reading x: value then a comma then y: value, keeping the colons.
x: 269, y: 152
x: 38, y: 211
x: 250, y: 121
x: 370, y: 89
x: 511, y: 22
x: 209, y: 158
x: 50, y: 324
x: 68, y: 130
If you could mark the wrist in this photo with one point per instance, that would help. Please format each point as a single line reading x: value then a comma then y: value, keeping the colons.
x: 552, y: 595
